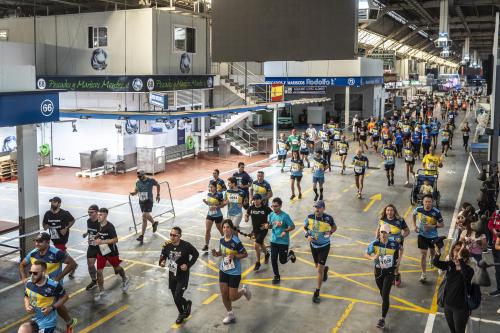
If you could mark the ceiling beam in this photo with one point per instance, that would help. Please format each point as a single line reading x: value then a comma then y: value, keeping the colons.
x: 392, y: 35
x: 417, y: 7
x: 460, y: 14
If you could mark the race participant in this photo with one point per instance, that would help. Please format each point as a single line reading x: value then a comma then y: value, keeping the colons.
x: 221, y: 186
x: 407, y: 131
x: 144, y: 188
x: 304, y: 148
x: 43, y: 297
x: 178, y: 256
x: 232, y: 251
x: 54, y: 258
x: 409, y: 161
x: 296, y: 167
x: 336, y: 135
x: 451, y: 127
x: 262, y: 187
x: 435, y: 126
x: 259, y: 214
x: 92, y: 250
x: 375, y: 138
x: 370, y: 126
x: 429, y: 219
x: 426, y: 141
x: 360, y: 164
x: 58, y: 222
x: 326, y: 147
x: 280, y: 224
x: 385, y: 254
x: 363, y: 132
x: 356, y: 123
x: 282, y: 150
x: 445, y: 140
x: 398, y: 141
x: 386, y: 133
x: 293, y: 140
x: 398, y: 232
x: 312, y: 136
x: 465, y: 135
x: 451, y: 117
x: 342, y: 150
x: 431, y: 162
x: 389, y: 155
x: 244, y: 182
x: 233, y: 199
x: 319, y: 167
x: 214, y: 201
x: 324, y: 133
x: 108, y: 253
x: 416, y: 141
x: 319, y: 227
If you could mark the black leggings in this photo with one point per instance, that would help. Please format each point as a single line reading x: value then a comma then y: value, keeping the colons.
x: 281, y: 251
x: 327, y: 155
x: 425, y: 147
x: 384, y: 279
x: 456, y: 318
x: 177, y: 290
x: 466, y: 141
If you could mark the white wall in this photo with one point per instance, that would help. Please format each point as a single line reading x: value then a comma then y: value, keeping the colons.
x: 101, y: 101
x: 321, y: 68
x: 371, y: 67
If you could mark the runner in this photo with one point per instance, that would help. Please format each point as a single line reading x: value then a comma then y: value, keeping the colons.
x: 398, y: 141
x: 244, y: 182
x: 108, y: 253
x: 296, y: 167
x: 326, y: 146
x: 181, y: 256
x: 54, y: 258
x: 342, y: 150
x: 336, y: 135
x: 389, y: 155
x: 233, y: 199
x: 312, y: 135
x: 281, y: 224
x: 398, y: 232
x: 319, y: 227
x: 92, y: 250
x: 214, y: 201
x: 375, y: 138
x: 445, y: 140
x: 385, y: 254
x: 451, y: 127
x: 282, y: 150
x: 386, y: 133
x: 259, y: 214
x: 426, y: 141
x: 465, y: 135
x: 409, y: 161
x: 360, y: 164
x: 429, y: 220
x: 293, y: 140
x: 370, y: 126
x: 221, y: 186
x: 262, y: 187
x: 43, y: 297
x: 232, y: 251
x: 431, y: 162
x: 435, y: 126
x: 407, y: 130
x: 304, y: 148
x: 58, y: 222
x: 319, y: 167
x: 144, y: 188
x: 416, y: 141
x: 356, y: 123
x: 363, y: 131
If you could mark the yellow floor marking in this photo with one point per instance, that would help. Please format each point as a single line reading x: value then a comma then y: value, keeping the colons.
x: 208, y: 265
x: 22, y: 320
x: 104, y: 319
x: 210, y: 299
x: 296, y: 232
x: 156, y: 266
x: 247, y: 271
x: 213, y: 283
x: 303, y: 195
x: 374, y: 198
x: 342, y: 236
x: 408, y: 211
x: 290, y: 278
x: 362, y: 243
x: 180, y: 325
x: 212, y: 262
x: 356, y: 229
x: 140, y: 286
x: 344, y: 316
x: 202, y: 289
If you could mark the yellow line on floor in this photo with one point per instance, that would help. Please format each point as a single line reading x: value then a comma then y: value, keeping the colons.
x: 408, y: 211
x: 104, y: 319
x: 344, y: 316
x: 208, y: 265
x: 210, y: 299
x: 17, y: 322
x: 306, y: 192
x: 296, y: 232
x: 140, y: 286
x: 213, y: 283
x: 180, y: 325
x: 342, y: 236
x: 290, y: 278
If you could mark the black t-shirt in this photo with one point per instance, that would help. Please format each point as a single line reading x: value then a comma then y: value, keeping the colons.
x: 56, y: 222
x: 242, y: 178
x: 258, y: 215
x: 105, y: 232
x: 92, y: 229
x: 175, y: 256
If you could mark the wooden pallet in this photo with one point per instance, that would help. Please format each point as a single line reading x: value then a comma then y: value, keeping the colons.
x: 88, y: 174
x: 8, y: 169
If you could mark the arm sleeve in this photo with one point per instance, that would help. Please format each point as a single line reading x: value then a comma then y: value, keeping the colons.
x: 61, y: 256
x: 439, y: 218
x: 306, y: 223
x: 68, y: 217
x: 403, y: 224
x: 194, y: 255
x: 154, y: 182
x: 164, y: 252
x: 289, y: 221
x: 28, y: 258
x: 45, y: 219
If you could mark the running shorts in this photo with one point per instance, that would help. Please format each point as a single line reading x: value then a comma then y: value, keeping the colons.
x: 236, y: 219
x: 319, y: 180
x: 320, y: 255
x: 113, y: 260
x: 260, y: 236
x: 233, y: 281
x: 216, y: 219
x: 92, y: 251
x: 425, y: 243
x: 299, y: 178
x: 389, y: 166
x: 146, y: 206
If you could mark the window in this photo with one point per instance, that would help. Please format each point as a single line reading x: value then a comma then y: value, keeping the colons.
x: 98, y: 37
x: 184, y: 39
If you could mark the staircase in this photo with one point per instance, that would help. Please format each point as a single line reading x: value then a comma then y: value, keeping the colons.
x: 257, y: 90
x: 243, y: 138
x: 228, y: 124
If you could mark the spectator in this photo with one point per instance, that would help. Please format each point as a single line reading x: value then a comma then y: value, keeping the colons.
x: 494, y: 227
x: 474, y: 241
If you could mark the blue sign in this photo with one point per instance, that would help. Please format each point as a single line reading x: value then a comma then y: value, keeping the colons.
x: 28, y: 107
x: 355, y: 81
x: 158, y: 99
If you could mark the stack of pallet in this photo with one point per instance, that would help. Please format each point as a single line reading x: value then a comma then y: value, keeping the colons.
x: 8, y: 168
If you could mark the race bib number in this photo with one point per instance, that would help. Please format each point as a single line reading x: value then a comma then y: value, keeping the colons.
x: 451, y: 116
x: 143, y: 196
x: 227, y: 264
x: 104, y: 248
x: 233, y: 197
x: 466, y: 133
x: 386, y: 136
x: 358, y: 169
x: 342, y: 151
x: 282, y: 146
x: 303, y: 145
x: 295, y: 142
x: 53, y: 234
x: 295, y: 167
x: 386, y: 261
x: 172, y: 267
x: 390, y: 159
x: 91, y: 240
x: 409, y: 158
x: 432, y: 166
x: 326, y: 145
x: 336, y: 137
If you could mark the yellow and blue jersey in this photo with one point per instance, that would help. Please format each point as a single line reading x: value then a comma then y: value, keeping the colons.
x: 261, y: 188
x: 42, y: 297
x: 53, y: 257
x: 431, y: 217
x: 343, y: 147
x: 296, y: 167
x: 319, y: 229
x: 220, y: 185
x: 397, y: 226
x: 389, y: 153
x: 233, y: 246
x: 234, y: 202
x: 282, y: 147
x: 214, y: 199
x: 359, y: 164
x: 387, y: 254
x: 319, y: 166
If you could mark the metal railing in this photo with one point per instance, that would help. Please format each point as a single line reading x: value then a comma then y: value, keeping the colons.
x: 245, y: 82
x: 157, y: 208
x: 248, y: 135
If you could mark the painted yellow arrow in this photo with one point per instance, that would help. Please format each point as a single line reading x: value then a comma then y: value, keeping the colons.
x: 373, y: 198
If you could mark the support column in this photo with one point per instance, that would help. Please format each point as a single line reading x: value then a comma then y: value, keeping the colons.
x: 347, y: 106
x: 27, y: 168
x: 275, y: 130
x: 202, y: 130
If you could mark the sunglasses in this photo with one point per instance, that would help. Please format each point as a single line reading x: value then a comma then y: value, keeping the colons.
x: 174, y: 235
x: 33, y: 273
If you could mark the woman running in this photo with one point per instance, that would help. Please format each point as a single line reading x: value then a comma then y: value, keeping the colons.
x: 232, y: 251
x: 342, y: 150
x: 445, y: 140
x: 214, y: 201
x: 363, y: 135
x: 426, y: 141
x: 360, y: 164
x: 385, y: 254
x: 399, y: 230
x: 375, y: 138
x: 465, y: 135
x: 304, y: 148
x: 409, y: 161
x: 296, y: 167
x: 398, y: 141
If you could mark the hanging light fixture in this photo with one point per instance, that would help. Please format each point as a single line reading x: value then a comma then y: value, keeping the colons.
x: 443, y: 36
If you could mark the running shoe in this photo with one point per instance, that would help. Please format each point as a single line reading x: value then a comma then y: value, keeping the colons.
x: 140, y: 239
x: 246, y: 292
x: 99, y: 296
x: 381, y: 323
x: 256, y: 267
x: 291, y: 256
x: 276, y: 279
x: 266, y: 257
x: 72, y: 323
x: 292, y: 196
x: 187, y: 311
x: 325, y: 274
x: 180, y: 318
x: 155, y: 226
x: 72, y: 274
x: 300, y: 195
x: 321, y: 196
x: 125, y: 284
x: 91, y: 285
x: 423, y: 278
x: 230, y: 318
x: 205, y: 248
x: 315, y: 298
x: 407, y: 183
x: 316, y: 197
x: 389, y: 182
x: 495, y: 293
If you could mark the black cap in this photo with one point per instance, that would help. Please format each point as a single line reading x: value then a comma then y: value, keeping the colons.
x: 94, y: 208
x: 257, y: 197
x: 43, y: 236
x: 55, y: 199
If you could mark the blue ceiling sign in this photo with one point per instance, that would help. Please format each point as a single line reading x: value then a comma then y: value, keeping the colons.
x: 355, y: 81
x: 28, y: 107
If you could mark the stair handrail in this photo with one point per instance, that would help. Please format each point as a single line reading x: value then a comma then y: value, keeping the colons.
x: 260, y: 86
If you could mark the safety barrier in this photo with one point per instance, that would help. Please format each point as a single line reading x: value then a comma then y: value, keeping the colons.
x: 159, y: 209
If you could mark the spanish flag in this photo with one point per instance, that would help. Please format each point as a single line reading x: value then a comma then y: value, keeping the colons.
x: 277, y: 92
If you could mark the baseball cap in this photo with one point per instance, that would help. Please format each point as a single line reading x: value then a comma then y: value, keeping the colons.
x: 140, y: 172
x: 43, y: 236
x: 386, y: 228
x: 94, y: 207
x: 257, y: 197
x: 319, y: 204
x: 55, y: 199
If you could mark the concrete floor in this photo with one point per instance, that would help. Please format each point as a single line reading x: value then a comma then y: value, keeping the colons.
x: 350, y: 300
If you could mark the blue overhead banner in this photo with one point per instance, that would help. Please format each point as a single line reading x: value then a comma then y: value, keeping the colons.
x: 355, y: 81
x: 28, y: 107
